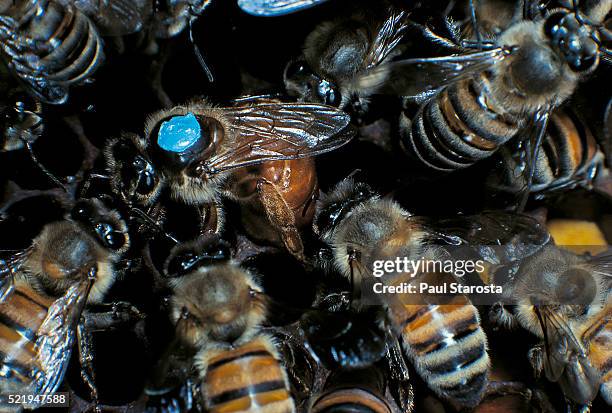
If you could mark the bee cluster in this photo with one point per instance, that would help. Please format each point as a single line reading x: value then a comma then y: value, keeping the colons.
x: 199, y: 195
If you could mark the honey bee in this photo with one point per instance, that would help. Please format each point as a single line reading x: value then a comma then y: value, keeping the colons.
x: 192, y: 150
x: 508, y: 95
x: 44, y: 292
x: 355, y: 390
x: 269, y: 8
x: 338, y: 55
x: 569, y: 156
x: 445, y: 342
x: 218, y: 309
x: 564, y: 299
x: 52, y: 45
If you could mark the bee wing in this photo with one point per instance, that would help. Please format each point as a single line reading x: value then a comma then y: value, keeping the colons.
x: 8, y: 267
x: 419, y: 77
x: 276, y: 7
x: 279, y: 131
x: 56, y: 336
x: 565, y: 360
x: 116, y: 17
x: 559, y: 341
x: 388, y: 36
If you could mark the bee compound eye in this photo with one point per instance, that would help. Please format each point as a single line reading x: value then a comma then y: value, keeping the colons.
x: 82, y: 212
x: 296, y: 69
x: 552, y: 25
x: 576, y: 286
x: 109, y: 237
x: 181, y: 264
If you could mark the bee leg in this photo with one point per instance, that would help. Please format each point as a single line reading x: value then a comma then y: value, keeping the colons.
x: 90, y: 152
x: 155, y: 74
x: 401, y: 389
x: 85, y: 345
x: 536, y: 358
x: 280, y: 216
x: 500, y: 316
x: 111, y: 316
x: 507, y: 388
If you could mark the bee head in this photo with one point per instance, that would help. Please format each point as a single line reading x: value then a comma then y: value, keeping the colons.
x: 303, y: 83
x: 186, y: 258
x: 181, y: 138
x: 219, y: 304
x: 574, y: 40
x: 341, y: 200
x: 107, y: 228
x: 134, y: 177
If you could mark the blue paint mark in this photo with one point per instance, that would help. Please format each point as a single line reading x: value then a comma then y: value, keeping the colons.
x: 179, y: 133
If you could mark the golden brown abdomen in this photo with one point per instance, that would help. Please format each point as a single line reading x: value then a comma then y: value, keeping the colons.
x: 448, y: 348
x: 21, y: 314
x: 247, y: 379
x: 600, y: 351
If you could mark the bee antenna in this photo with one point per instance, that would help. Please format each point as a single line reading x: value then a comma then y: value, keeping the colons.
x: 475, y: 24
x: 42, y: 167
x: 145, y: 217
x: 196, y: 49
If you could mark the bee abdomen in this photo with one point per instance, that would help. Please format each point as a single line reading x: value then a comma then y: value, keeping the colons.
x: 55, y: 46
x: 247, y: 379
x: 600, y: 350
x: 449, y: 350
x: 457, y: 128
x: 569, y: 154
x: 350, y: 400
x: 21, y: 315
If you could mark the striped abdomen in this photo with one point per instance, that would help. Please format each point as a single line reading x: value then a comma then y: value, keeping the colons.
x: 600, y: 354
x: 359, y: 390
x: 247, y: 379
x: 569, y: 155
x: 457, y: 128
x: 448, y: 348
x: 54, y: 46
x: 21, y: 314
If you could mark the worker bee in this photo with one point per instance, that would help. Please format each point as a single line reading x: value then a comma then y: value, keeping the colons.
x: 192, y: 150
x: 218, y: 308
x: 512, y: 95
x: 360, y: 228
x: 44, y: 291
x: 338, y: 55
x: 52, y: 45
x: 564, y: 299
x: 269, y: 8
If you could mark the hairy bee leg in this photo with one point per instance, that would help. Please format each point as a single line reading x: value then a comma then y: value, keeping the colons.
x: 500, y: 316
x: 536, y: 358
x: 280, y: 216
x: 85, y: 344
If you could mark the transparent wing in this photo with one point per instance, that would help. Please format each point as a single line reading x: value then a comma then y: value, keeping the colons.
x: 279, y: 131
x: 387, y: 38
x: 9, y: 265
x: 559, y: 341
x: 116, y: 17
x: 418, y: 77
x: 56, y: 337
x: 276, y: 7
